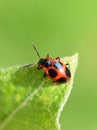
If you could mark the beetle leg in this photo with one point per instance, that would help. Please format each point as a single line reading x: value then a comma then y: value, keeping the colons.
x: 55, y: 83
x: 44, y: 75
x: 58, y: 58
x: 68, y: 65
x: 39, y: 67
x: 48, y: 55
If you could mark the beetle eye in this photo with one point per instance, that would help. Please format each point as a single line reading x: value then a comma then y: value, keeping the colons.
x: 47, y: 63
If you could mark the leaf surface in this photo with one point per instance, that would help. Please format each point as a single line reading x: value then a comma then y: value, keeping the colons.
x: 30, y: 102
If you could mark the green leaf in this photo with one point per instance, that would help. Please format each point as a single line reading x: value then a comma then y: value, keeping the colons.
x: 30, y: 102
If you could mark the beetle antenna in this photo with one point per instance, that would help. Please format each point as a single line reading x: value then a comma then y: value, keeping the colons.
x: 36, y: 50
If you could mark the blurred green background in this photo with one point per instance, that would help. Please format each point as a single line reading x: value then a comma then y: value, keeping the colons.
x: 60, y: 28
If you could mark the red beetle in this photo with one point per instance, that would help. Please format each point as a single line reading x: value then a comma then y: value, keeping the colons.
x: 56, y: 70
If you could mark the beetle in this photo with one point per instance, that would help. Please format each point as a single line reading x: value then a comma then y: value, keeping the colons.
x: 54, y: 68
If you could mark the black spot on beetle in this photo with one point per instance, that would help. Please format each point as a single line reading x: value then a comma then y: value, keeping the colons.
x: 52, y: 73
x: 67, y: 71
x: 62, y: 80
